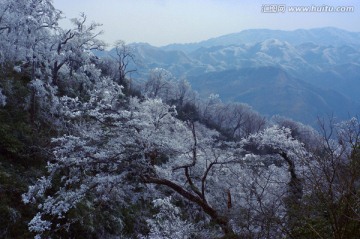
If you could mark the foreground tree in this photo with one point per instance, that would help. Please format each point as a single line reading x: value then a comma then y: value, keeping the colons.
x: 72, y: 65
x: 106, y: 143
x: 25, y: 29
x: 110, y: 142
x: 331, y: 204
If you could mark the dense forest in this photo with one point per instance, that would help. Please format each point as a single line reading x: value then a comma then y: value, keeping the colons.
x: 85, y: 152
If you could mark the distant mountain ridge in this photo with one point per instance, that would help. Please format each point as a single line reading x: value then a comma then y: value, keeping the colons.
x: 321, y: 36
x: 319, y: 70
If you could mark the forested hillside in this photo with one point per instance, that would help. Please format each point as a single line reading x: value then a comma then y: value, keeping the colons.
x: 87, y: 153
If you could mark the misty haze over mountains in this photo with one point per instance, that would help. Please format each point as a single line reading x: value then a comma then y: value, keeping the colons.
x: 299, y: 74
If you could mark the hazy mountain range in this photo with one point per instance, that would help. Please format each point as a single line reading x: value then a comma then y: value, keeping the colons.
x: 320, y: 36
x: 300, y: 74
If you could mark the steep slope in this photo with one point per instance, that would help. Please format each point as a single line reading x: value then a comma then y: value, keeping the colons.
x: 272, y: 91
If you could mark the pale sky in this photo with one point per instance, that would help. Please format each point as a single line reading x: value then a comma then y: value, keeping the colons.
x: 162, y: 22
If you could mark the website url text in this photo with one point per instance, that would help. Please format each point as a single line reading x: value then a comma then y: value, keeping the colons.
x: 282, y: 8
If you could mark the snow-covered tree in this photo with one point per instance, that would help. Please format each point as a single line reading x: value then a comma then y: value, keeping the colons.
x: 25, y: 29
x: 72, y: 65
x: 110, y: 141
x: 216, y: 174
x: 106, y: 143
x: 160, y: 84
x: 304, y: 133
x: 234, y: 120
x: 124, y: 58
x: 331, y: 183
x: 167, y: 223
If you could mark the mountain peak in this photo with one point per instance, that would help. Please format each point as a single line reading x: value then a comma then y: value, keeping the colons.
x: 269, y: 43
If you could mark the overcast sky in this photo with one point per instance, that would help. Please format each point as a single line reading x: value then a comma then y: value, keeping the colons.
x: 162, y: 22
